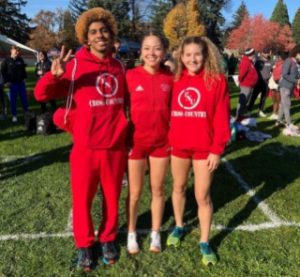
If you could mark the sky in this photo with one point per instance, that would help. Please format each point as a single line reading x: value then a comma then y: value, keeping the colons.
x: 264, y: 7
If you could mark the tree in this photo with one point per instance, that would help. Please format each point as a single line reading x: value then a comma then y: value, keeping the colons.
x: 120, y: 10
x: 239, y: 15
x: 194, y: 26
x: 258, y: 32
x: 14, y: 24
x: 46, y: 19
x: 66, y: 34
x: 158, y: 11
x: 296, y: 27
x: 175, y: 25
x: 77, y: 7
x: 280, y: 14
x: 212, y: 18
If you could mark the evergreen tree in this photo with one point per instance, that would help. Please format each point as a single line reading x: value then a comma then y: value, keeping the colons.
x: 14, y: 23
x: 159, y: 10
x: 120, y: 9
x: 280, y: 14
x: 296, y: 27
x: 77, y: 7
x: 212, y: 18
x: 239, y: 15
x: 66, y: 34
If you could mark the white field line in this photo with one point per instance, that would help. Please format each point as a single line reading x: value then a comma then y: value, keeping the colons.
x: 250, y: 192
x: 69, y: 227
x: 246, y: 228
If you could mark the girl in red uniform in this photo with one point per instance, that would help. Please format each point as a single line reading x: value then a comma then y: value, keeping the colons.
x: 149, y: 88
x: 199, y: 131
x: 98, y: 125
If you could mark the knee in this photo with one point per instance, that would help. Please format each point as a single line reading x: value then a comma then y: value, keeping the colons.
x: 203, y: 200
x: 157, y: 191
x: 134, y: 196
x: 179, y: 189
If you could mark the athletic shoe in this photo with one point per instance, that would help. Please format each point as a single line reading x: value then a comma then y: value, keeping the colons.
x: 176, y: 236
x: 155, y: 244
x: 273, y: 116
x: 85, y: 259
x: 293, y: 127
x: 14, y: 119
x: 132, y: 245
x: 208, y: 255
x: 109, y: 252
x: 262, y: 114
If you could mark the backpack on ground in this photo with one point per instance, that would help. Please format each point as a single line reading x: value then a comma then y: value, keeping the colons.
x: 44, y: 124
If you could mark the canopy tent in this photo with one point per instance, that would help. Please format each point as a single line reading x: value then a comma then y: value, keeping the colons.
x: 27, y: 53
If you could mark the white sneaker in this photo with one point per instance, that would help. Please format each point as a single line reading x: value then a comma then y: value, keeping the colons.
x: 262, y: 114
x: 155, y: 244
x: 293, y: 127
x: 132, y: 245
x: 14, y: 119
x: 273, y: 116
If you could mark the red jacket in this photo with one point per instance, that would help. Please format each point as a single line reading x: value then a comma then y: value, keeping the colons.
x: 248, y: 76
x: 99, y: 120
x: 200, y: 116
x: 150, y: 97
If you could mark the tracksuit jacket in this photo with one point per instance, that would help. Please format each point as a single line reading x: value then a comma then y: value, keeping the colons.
x: 99, y: 130
x: 149, y: 98
x: 200, y: 114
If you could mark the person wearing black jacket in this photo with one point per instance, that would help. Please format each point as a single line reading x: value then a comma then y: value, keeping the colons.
x: 43, y: 66
x: 263, y: 66
x: 14, y: 74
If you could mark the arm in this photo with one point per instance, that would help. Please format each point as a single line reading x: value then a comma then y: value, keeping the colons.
x: 244, y: 68
x: 4, y: 71
x: 221, y: 120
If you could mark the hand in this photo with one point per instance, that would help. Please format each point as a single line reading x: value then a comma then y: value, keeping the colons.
x: 213, y: 162
x: 58, y: 66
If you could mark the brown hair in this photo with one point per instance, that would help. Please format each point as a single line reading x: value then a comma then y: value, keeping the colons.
x: 94, y: 15
x: 211, y: 58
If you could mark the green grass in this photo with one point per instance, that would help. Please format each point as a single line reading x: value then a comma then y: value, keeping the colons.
x: 35, y: 198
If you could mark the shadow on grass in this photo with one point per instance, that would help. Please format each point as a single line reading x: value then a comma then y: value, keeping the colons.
x: 24, y: 165
x: 273, y: 167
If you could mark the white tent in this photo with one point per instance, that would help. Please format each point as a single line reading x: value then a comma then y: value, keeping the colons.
x: 27, y: 53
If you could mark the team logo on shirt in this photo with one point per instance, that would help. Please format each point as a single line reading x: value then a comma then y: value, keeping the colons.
x: 189, y: 98
x: 107, y: 85
x: 139, y: 88
x: 165, y: 87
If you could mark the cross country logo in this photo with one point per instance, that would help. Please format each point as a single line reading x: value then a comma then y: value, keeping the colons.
x: 189, y: 98
x: 107, y: 85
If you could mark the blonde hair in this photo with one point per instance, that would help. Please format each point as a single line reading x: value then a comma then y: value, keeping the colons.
x: 94, y: 15
x: 211, y: 59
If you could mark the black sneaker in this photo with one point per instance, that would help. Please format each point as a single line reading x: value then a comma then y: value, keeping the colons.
x: 109, y: 252
x: 85, y: 259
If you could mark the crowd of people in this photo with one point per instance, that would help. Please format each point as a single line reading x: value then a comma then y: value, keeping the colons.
x: 155, y: 115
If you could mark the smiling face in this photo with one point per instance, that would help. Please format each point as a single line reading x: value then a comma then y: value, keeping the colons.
x: 152, y: 52
x: 99, y: 39
x: 192, y: 58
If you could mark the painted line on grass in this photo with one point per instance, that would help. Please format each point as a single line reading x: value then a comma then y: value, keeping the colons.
x: 247, y: 228
x: 250, y: 192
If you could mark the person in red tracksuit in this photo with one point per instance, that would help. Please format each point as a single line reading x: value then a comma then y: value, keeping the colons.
x: 149, y: 87
x: 99, y: 128
x: 199, y: 132
x: 248, y: 78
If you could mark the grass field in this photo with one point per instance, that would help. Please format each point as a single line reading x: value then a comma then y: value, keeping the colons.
x: 256, y: 194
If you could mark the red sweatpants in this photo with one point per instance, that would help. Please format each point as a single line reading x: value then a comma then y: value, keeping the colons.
x: 89, y: 168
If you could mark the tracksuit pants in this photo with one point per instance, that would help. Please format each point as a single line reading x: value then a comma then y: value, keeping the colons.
x: 262, y: 89
x: 285, y: 105
x: 245, y: 95
x: 15, y: 89
x: 91, y: 169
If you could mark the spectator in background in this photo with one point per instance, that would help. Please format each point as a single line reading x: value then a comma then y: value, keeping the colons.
x: 263, y: 67
x: 232, y: 63
x: 14, y: 74
x: 247, y: 78
x: 171, y: 60
x: 43, y: 66
x: 289, y: 80
x: 2, y: 99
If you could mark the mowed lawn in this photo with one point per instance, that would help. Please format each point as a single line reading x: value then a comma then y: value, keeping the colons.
x: 254, y: 234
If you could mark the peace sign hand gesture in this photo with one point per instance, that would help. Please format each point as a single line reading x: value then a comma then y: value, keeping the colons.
x: 58, y: 66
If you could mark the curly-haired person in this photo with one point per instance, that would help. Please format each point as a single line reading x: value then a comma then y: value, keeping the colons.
x: 95, y: 82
